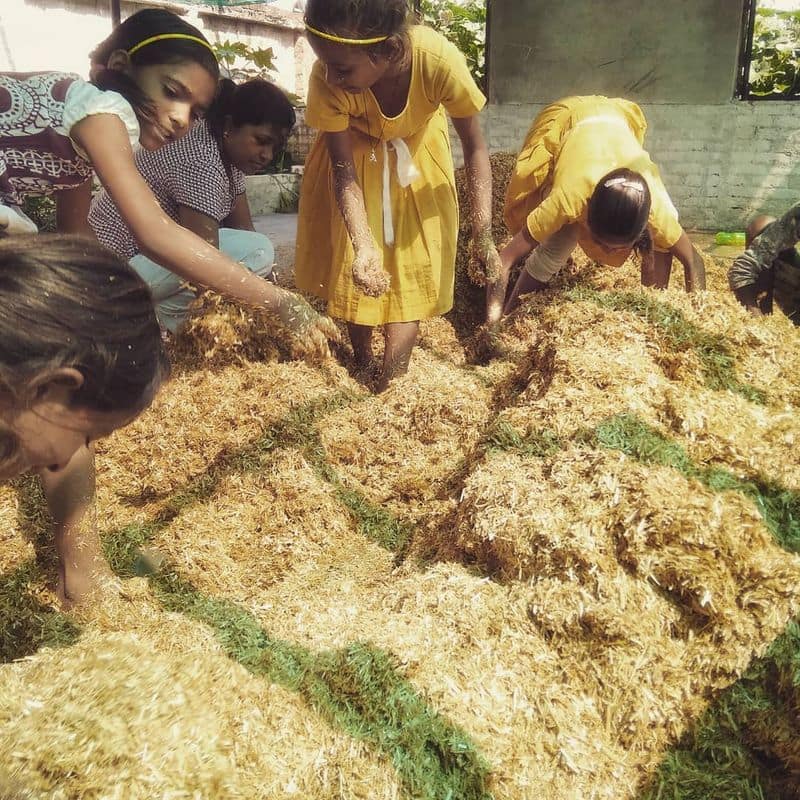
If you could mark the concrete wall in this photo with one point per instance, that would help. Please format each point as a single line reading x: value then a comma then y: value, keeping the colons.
x: 663, y: 51
x: 268, y: 194
x: 722, y: 159
x: 58, y: 34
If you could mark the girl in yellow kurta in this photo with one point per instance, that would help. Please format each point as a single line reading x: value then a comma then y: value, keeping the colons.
x: 378, y: 218
x: 582, y: 177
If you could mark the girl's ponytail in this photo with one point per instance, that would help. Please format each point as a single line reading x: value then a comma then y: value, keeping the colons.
x: 221, y: 108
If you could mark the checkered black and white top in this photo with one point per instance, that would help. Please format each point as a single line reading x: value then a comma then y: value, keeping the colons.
x: 188, y: 172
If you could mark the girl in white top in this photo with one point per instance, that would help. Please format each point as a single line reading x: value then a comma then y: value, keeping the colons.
x: 152, y: 78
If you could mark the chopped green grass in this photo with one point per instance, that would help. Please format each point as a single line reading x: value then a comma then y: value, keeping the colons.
x: 359, y: 690
x: 679, y: 334
x: 734, y: 750
x: 779, y: 507
x: 26, y: 624
x: 536, y: 444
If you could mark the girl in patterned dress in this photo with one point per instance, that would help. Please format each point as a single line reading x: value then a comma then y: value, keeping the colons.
x: 378, y: 216
x: 152, y: 78
x: 80, y: 356
x: 200, y: 183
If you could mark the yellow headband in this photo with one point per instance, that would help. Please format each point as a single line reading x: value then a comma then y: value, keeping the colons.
x: 161, y: 36
x: 341, y: 40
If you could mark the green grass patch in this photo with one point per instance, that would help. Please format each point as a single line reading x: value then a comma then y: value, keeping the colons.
x: 26, y: 624
x: 735, y: 750
x: 779, y: 507
x: 679, y: 334
x: 359, y: 690
x: 536, y: 444
x: 374, y: 522
x: 296, y: 430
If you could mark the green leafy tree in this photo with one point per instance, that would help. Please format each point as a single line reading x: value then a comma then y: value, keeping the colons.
x: 464, y: 24
x: 776, y: 49
x: 240, y: 62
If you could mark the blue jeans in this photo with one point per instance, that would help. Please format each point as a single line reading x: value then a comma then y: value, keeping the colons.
x: 171, y: 294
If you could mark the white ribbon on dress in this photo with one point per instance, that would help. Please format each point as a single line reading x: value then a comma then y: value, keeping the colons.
x: 407, y: 173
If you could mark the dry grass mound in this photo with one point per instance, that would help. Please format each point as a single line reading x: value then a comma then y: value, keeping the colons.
x: 530, y: 577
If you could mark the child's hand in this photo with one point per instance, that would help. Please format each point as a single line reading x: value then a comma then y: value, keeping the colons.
x: 484, y: 262
x: 369, y: 275
x: 309, y: 329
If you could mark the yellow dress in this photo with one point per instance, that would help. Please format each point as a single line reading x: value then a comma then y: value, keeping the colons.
x: 570, y: 146
x: 424, y: 215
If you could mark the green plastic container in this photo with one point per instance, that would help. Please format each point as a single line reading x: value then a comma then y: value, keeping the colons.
x: 730, y: 238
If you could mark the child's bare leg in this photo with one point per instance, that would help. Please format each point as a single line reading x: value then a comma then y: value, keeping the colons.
x: 361, y: 339
x: 82, y: 568
x: 400, y: 340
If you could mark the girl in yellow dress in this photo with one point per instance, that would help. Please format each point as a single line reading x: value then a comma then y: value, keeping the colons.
x: 582, y: 177
x: 378, y: 218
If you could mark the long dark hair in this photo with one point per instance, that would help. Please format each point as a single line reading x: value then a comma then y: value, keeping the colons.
x: 69, y: 302
x: 255, y: 102
x: 619, y: 209
x: 138, y: 28
x: 364, y: 19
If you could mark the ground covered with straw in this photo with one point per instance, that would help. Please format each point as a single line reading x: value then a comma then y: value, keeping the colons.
x: 568, y: 571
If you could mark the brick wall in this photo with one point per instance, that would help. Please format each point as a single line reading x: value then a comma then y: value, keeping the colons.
x: 721, y: 163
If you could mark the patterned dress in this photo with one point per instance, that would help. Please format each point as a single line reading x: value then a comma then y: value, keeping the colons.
x: 188, y: 172
x: 37, y: 113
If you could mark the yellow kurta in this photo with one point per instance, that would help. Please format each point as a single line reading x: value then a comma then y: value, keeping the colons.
x: 571, y: 145
x: 421, y: 262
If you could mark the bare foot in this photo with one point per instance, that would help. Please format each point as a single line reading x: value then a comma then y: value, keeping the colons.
x: 365, y: 373
x: 81, y: 576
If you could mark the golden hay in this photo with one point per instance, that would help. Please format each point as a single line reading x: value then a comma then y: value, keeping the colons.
x: 119, y: 716
x: 569, y: 606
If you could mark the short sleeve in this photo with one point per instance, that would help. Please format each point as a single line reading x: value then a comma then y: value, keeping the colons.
x: 85, y: 100
x: 326, y: 107
x: 238, y: 182
x: 455, y: 87
x: 548, y: 217
x: 664, y: 222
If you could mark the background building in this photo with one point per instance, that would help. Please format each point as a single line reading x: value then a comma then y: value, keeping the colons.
x: 58, y: 34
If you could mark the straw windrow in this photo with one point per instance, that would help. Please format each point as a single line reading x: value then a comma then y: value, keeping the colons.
x: 545, y: 574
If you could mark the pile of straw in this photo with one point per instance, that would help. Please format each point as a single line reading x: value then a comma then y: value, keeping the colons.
x: 517, y: 579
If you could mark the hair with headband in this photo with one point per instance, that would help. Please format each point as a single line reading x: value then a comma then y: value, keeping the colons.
x: 619, y: 209
x: 150, y: 36
x: 378, y: 26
